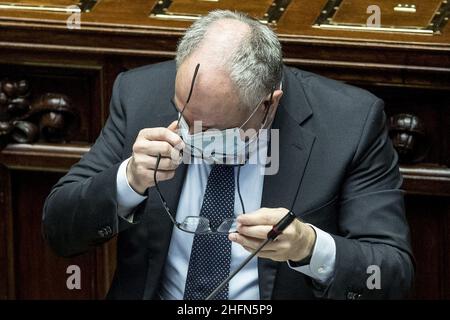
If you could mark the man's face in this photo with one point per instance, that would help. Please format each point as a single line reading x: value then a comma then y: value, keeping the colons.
x: 214, y: 100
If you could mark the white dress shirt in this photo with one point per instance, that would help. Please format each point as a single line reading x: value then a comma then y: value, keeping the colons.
x: 244, y: 286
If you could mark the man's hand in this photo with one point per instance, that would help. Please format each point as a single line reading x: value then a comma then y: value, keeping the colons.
x: 149, y: 143
x: 295, y: 243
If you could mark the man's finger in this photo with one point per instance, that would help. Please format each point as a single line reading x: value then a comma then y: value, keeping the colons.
x: 149, y: 162
x: 251, y: 243
x: 162, y: 134
x: 258, y: 232
x: 162, y: 175
x: 173, y: 126
x: 263, y: 216
x: 155, y: 148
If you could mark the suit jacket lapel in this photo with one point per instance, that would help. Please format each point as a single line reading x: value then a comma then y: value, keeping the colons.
x: 295, y: 146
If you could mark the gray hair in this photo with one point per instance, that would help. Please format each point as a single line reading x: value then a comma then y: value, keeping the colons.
x: 255, y: 66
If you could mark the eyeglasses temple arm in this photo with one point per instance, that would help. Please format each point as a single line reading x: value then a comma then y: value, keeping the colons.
x: 190, y: 92
x: 166, y: 207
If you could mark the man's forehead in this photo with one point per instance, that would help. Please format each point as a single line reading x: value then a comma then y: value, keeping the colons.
x: 208, y: 77
x: 209, y: 110
x: 212, y: 91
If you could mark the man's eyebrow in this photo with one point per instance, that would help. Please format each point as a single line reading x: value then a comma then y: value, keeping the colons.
x: 204, y: 127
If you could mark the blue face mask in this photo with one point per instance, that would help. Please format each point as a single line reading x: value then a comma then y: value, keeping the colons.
x: 229, y: 146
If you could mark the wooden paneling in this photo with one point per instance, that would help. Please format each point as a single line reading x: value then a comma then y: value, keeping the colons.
x: 82, y: 83
x: 356, y: 12
x: 36, y: 266
x: 429, y: 223
x: 38, y: 273
x: 7, y: 281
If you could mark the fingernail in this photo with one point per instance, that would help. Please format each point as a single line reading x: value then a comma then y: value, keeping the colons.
x: 232, y: 237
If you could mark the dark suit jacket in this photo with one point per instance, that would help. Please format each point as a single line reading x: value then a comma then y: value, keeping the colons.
x: 334, y: 148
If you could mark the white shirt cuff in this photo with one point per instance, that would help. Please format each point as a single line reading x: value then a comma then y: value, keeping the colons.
x: 321, y: 266
x: 127, y: 198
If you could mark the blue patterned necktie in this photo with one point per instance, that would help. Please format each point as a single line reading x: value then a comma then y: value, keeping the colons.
x: 210, y: 258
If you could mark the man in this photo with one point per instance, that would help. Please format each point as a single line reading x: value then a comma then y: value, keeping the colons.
x: 336, y: 171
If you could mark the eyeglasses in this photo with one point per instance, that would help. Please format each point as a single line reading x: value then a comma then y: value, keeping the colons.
x: 193, y: 224
x: 190, y: 93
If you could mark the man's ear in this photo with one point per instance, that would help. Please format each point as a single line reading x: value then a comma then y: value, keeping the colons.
x: 274, y: 99
x: 270, y: 107
x: 277, y: 94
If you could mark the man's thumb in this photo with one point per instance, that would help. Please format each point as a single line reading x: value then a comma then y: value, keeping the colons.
x: 173, y: 126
